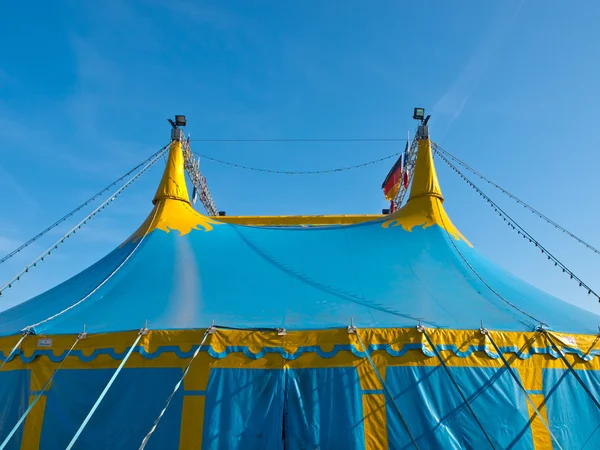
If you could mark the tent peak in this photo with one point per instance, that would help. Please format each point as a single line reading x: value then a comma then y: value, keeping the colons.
x: 172, y: 185
x: 424, y: 206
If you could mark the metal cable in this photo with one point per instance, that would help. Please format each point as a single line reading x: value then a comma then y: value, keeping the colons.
x: 455, y: 383
x: 289, y: 172
x: 175, y: 389
x: 387, y: 391
x: 32, y: 404
x: 30, y: 328
x: 487, y: 334
x: 73, y: 230
x: 305, y: 140
x: 83, y: 205
x: 106, y: 388
x: 570, y: 367
x: 520, y: 230
x: 516, y: 199
x: 478, y: 275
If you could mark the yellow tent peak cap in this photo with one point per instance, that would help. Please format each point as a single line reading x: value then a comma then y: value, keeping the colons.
x: 425, y: 181
x: 424, y: 206
x: 172, y: 185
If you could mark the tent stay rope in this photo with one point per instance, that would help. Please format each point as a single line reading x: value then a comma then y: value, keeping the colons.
x: 74, y: 211
x: 488, y: 335
x: 30, y: 328
x: 14, y: 349
x: 354, y: 330
x: 299, y: 172
x: 423, y: 330
x: 480, y: 277
x: 519, y: 229
x: 209, y: 331
x: 80, y: 336
x: 570, y: 367
x: 73, y: 230
x: 141, y: 333
x: 518, y: 200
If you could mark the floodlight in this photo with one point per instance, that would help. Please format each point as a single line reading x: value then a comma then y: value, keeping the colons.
x: 419, y: 113
x: 180, y: 121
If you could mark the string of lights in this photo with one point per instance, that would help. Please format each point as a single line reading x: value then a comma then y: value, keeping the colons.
x: 516, y: 199
x: 90, y: 216
x: 515, y: 226
x: 76, y: 210
x: 296, y: 172
x: 305, y: 140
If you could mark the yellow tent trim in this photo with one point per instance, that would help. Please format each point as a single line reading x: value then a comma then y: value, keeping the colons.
x: 279, y: 221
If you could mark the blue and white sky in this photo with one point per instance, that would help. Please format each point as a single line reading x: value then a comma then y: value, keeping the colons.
x: 85, y: 88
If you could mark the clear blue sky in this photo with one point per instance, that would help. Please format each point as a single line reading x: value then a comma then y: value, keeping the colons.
x: 85, y: 88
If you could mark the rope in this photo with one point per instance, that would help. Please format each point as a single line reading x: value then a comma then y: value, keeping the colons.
x: 304, y: 140
x: 31, y: 327
x: 520, y: 384
x: 519, y: 201
x: 73, y: 212
x: 108, y: 386
x: 477, y: 274
x: 289, y: 172
x: 25, y: 334
x: 16, y: 427
x: 518, y: 228
x: 387, y: 391
x: 175, y: 389
x: 73, y: 230
x: 454, y: 382
x: 577, y: 377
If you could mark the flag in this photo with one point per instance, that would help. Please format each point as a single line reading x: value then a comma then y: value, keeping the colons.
x: 405, y: 167
x: 391, y: 184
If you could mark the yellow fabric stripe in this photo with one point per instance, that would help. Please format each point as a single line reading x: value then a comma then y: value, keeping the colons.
x: 375, y: 420
x: 263, y: 221
x: 192, y: 422
x: 322, y: 341
x: 531, y: 377
x: 32, y: 429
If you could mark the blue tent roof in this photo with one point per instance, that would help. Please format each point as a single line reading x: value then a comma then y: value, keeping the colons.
x: 184, y: 270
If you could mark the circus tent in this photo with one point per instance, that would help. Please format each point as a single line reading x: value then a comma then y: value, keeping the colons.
x: 388, y: 332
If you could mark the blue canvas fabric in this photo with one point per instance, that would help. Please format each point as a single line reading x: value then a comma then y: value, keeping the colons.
x: 574, y: 426
x: 125, y: 415
x: 14, y: 399
x: 296, y: 278
x: 244, y: 409
x: 438, y: 418
x: 323, y: 409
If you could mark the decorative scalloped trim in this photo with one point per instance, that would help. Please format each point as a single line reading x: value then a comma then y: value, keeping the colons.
x: 309, y: 349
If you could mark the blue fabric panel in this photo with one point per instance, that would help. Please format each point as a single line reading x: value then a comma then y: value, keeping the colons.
x: 438, y: 418
x: 573, y: 417
x: 297, y: 278
x: 323, y: 409
x: 14, y: 400
x: 243, y: 410
x: 123, y: 418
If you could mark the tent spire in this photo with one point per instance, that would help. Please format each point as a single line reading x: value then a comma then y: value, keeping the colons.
x: 424, y: 206
x: 172, y: 186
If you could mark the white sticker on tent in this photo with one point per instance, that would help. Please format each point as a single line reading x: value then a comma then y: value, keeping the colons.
x: 44, y: 342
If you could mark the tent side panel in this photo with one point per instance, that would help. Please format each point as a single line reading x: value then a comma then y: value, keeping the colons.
x: 574, y: 418
x: 123, y: 418
x: 437, y: 417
